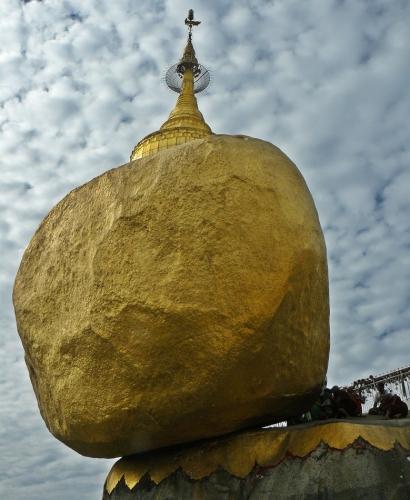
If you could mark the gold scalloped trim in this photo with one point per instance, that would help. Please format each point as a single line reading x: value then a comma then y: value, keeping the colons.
x: 239, y: 453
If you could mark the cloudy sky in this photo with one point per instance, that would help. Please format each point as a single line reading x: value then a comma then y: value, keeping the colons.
x: 328, y: 81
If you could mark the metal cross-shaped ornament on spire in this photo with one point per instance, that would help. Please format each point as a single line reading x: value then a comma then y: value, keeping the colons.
x: 189, y: 21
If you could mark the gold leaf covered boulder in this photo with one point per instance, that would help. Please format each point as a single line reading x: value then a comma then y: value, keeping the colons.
x: 181, y: 296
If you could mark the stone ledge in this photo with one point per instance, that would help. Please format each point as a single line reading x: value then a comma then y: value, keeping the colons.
x: 239, y: 453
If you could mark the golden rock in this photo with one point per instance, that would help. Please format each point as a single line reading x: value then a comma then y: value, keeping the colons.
x: 181, y: 296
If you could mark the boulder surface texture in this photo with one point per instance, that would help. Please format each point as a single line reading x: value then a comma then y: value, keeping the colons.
x: 178, y: 297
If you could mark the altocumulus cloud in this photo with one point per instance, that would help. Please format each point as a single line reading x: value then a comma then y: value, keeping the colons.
x: 325, y: 80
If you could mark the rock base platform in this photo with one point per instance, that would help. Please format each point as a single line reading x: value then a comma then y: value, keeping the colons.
x: 364, y: 459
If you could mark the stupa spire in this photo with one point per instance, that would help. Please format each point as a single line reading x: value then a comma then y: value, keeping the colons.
x: 185, y: 122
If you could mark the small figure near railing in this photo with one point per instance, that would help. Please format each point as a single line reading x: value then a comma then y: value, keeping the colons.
x: 388, y: 405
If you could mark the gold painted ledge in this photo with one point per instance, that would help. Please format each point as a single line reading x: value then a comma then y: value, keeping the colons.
x: 264, y: 447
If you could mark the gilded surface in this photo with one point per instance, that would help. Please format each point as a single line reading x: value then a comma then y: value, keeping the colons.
x: 238, y: 454
x: 184, y: 124
x: 175, y: 298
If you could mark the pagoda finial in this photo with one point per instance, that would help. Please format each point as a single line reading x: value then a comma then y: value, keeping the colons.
x: 175, y: 75
x: 189, y: 21
x: 185, y: 122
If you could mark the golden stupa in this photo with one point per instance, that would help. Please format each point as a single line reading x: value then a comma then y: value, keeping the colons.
x: 180, y: 296
x: 185, y: 123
